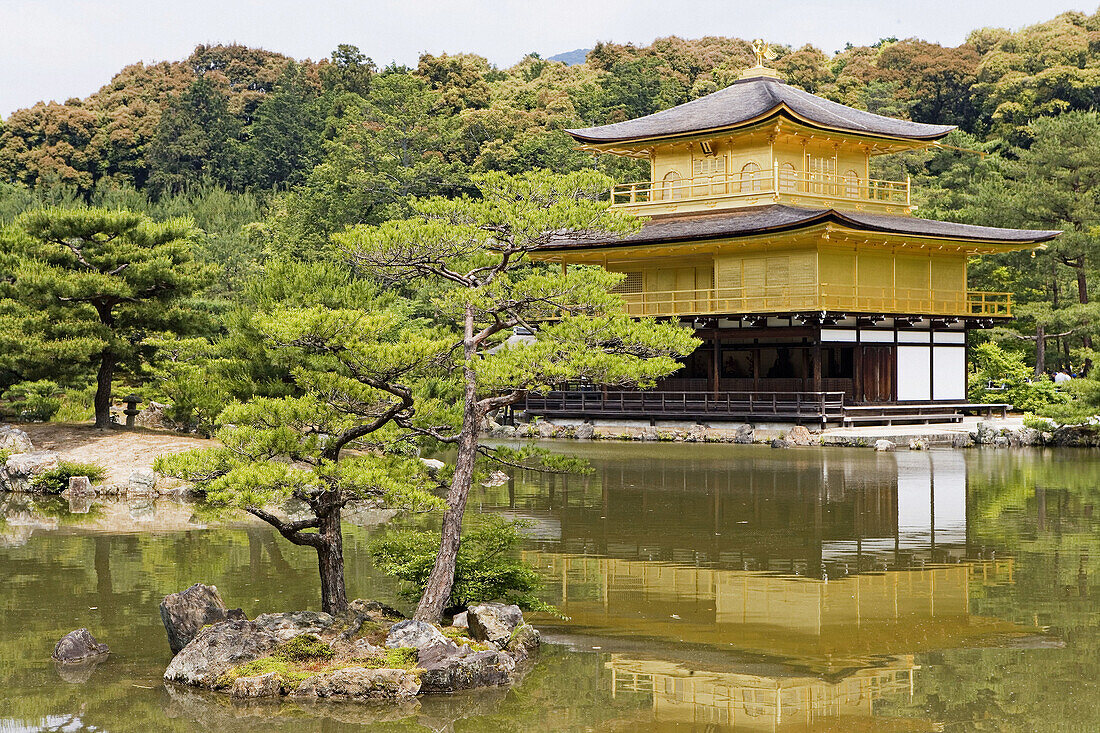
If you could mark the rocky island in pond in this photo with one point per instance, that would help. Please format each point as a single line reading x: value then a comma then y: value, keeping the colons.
x: 371, y: 653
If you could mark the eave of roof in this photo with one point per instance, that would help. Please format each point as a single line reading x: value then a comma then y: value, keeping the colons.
x: 773, y: 218
x: 749, y: 101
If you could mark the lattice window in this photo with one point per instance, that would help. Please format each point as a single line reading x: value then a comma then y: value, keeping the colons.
x: 851, y: 184
x: 751, y: 179
x: 787, y: 178
x: 672, y: 187
x: 714, y: 165
x: 631, y: 284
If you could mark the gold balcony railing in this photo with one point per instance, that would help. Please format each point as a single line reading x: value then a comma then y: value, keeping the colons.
x: 756, y: 183
x: 787, y: 298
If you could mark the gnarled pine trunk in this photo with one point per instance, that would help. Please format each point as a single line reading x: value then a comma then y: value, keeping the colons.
x: 330, y: 563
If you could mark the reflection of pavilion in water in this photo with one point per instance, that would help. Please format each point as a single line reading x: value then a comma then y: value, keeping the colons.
x: 799, y: 512
x: 756, y: 702
x: 836, y: 572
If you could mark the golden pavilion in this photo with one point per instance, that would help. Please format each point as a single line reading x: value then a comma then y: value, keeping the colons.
x: 817, y: 293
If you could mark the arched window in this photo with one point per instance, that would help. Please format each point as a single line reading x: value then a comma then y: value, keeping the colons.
x: 787, y: 180
x: 671, y: 187
x: 750, y: 177
x: 851, y: 184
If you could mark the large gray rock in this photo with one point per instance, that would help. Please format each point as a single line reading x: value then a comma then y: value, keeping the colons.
x: 962, y: 440
x: 78, y: 646
x: 358, y: 683
x: 186, y: 612
x: 464, y: 670
x: 585, y: 431
x: 142, y: 482
x: 799, y: 435
x: 21, y: 469
x: 433, y: 465
x: 13, y: 440
x: 217, y: 649
x: 264, y: 685
x: 79, y: 486
x: 415, y: 634
x: 884, y: 446
x: 459, y: 621
x: 493, y: 622
x: 745, y: 434
x: 524, y: 642
x: 986, y: 433
x: 286, y: 626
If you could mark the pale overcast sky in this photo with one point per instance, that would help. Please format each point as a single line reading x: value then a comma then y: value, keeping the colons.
x: 57, y: 49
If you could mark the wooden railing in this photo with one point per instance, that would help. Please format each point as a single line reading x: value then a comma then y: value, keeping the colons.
x: 755, y: 183
x: 810, y: 296
x: 790, y: 406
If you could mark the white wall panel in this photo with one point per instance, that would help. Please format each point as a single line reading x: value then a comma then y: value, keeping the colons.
x: 949, y: 373
x: 914, y: 373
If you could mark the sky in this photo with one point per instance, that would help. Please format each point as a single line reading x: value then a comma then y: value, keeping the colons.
x: 58, y: 49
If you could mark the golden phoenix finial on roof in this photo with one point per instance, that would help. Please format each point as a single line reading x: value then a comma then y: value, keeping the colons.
x: 763, y: 51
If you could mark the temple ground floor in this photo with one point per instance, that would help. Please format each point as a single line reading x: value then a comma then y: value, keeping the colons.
x: 801, y: 369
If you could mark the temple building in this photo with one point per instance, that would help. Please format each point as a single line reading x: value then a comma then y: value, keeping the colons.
x: 817, y: 294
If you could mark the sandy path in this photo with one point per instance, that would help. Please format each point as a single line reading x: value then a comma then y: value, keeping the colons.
x: 119, y: 451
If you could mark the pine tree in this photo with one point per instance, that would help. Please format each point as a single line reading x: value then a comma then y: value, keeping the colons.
x: 354, y: 372
x: 103, y: 281
x: 472, y: 256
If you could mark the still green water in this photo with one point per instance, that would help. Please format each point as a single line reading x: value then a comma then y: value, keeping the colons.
x: 706, y: 588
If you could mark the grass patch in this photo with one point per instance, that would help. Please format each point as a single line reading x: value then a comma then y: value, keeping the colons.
x: 461, y: 636
x: 308, y: 661
x: 289, y: 674
x: 4, y: 456
x: 402, y: 658
x: 56, y: 480
x: 304, y: 648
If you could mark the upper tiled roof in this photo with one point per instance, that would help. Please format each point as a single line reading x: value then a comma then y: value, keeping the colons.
x: 751, y: 99
x: 779, y: 217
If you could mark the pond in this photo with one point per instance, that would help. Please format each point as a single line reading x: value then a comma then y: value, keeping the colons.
x: 703, y: 588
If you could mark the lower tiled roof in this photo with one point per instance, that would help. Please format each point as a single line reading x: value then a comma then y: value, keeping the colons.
x: 779, y: 217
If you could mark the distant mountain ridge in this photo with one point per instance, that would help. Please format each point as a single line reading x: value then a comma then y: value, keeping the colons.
x: 571, y: 58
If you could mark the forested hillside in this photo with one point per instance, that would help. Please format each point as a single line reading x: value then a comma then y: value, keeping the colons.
x: 271, y: 155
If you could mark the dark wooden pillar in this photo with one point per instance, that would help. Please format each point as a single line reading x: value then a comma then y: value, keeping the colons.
x: 716, y: 368
x: 817, y: 365
x: 755, y: 369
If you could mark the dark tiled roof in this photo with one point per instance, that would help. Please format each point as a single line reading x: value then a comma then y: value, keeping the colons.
x: 749, y: 99
x: 778, y: 217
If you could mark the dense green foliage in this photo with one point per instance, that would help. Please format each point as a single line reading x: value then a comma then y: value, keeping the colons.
x: 272, y: 156
x: 488, y: 567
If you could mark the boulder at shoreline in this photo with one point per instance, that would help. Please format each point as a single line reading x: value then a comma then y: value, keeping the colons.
x: 369, y: 654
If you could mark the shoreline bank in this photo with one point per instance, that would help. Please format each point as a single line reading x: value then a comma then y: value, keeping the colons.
x: 972, y: 432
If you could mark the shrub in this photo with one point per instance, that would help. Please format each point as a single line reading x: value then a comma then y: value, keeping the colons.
x: 1042, y: 424
x: 1003, y: 376
x: 36, y: 401
x: 487, y: 568
x: 56, y: 480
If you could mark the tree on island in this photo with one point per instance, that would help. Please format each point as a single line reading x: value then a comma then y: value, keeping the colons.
x: 471, y: 255
x: 101, y: 282
x: 297, y: 461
